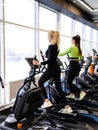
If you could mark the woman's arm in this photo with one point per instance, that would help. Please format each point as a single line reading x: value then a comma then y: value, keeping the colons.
x: 65, y: 52
x: 49, y: 57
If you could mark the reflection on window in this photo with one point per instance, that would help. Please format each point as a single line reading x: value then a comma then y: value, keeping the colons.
x: 66, y: 25
x: 20, y: 11
x: 47, y: 19
x: 19, y: 44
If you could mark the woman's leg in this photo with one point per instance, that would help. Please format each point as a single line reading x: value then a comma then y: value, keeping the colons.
x: 56, y: 78
x: 73, y: 70
x: 45, y: 76
x: 67, y: 108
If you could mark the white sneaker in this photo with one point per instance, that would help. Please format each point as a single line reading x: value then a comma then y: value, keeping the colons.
x: 82, y: 95
x: 72, y: 96
x: 66, y: 110
x: 46, y: 104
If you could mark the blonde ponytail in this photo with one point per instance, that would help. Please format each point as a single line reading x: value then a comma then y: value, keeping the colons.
x: 56, y: 38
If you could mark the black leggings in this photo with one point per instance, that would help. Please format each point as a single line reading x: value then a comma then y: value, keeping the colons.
x: 56, y: 78
x: 73, y: 70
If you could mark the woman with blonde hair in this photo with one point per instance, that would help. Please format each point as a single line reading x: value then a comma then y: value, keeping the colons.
x: 53, y: 68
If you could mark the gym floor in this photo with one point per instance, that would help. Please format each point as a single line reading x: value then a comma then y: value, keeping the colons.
x: 4, y: 113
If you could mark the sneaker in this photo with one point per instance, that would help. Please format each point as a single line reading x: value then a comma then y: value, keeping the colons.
x: 66, y: 110
x: 46, y: 104
x: 72, y: 96
x: 82, y: 95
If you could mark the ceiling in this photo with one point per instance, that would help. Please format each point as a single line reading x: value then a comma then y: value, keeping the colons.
x: 87, y: 16
x: 89, y: 6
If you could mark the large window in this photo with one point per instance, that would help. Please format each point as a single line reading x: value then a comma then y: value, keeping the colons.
x: 19, y: 37
x: 47, y: 19
x: 19, y: 44
x: 66, y: 25
x: 20, y: 12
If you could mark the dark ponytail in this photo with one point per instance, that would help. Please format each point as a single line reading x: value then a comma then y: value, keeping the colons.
x: 77, y: 42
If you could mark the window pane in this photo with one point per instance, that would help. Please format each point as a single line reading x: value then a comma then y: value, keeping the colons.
x: 94, y: 39
x: 48, y: 19
x: 19, y: 44
x: 65, y: 43
x: 95, y: 33
x: 1, y: 50
x: 20, y: 11
x: 86, y: 48
x: 1, y: 63
x: 78, y: 28
x: 97, y: 46
x: 87, y: 33
x: 1, y: 9
x: 66, y: 25
x: 43, y: 42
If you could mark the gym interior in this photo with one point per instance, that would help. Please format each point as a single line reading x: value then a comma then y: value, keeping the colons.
x: 24, y: 27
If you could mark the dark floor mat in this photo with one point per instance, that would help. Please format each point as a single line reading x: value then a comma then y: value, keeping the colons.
x: 2, y: 118
x: 62, y: 125
x: 47, y: 125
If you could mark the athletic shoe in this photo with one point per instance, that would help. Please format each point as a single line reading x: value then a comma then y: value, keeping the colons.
x: 72, y: 96
x: 82, y: 95
x: 46, y: 104
x: 66, y: 110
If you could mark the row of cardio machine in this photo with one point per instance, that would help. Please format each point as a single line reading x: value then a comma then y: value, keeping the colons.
x: 27, y: 114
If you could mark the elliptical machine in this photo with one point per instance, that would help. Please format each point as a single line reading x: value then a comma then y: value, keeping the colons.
x: 27, y: 103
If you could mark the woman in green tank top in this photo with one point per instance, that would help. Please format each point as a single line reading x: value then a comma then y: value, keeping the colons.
x: 75, y: 54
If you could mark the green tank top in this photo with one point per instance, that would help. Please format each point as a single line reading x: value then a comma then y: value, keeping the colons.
x: 73, y: 52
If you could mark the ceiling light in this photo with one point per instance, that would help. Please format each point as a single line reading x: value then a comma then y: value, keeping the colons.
x: 95, y: 10
x: 84, y: 4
